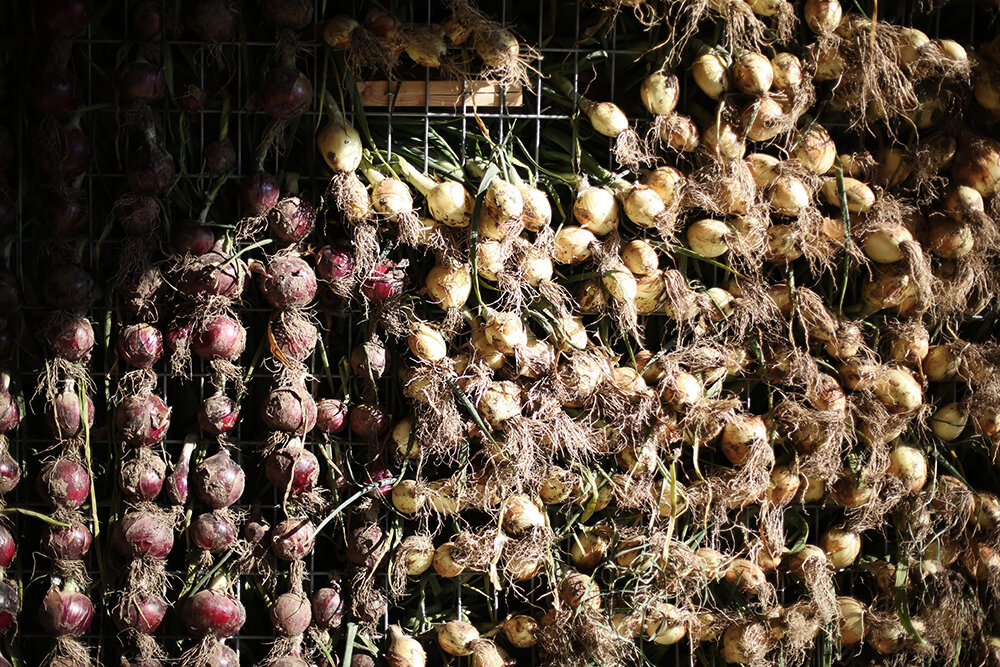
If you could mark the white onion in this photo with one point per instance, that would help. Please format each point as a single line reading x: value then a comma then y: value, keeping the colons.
x: 659, y: 93
x: 504, y: 199
x: 978, y: 167
x: 578, y: 590
x: 949, y: 239
x: 488, y: 259
x: 407, y: 497
x: 738, y: 640
x: 949, y: 421
x: 449, y: 287
x: 443, y: 497
x: 391, y: 198
x: 830, y: 64
x: 842, y: 546
x: 883, y: 245
x: 403, y: 650
x: 787, y: 71
x: 573, y: 244
x: 589, y: 547
x: 740, y: 436
x: 752, y: 74
x: 681, y: 390
x: 417, y: 553
x: 789, y: 196
x: 643, y: 206
x: 898, y: 390
x: 816, y: 151
x: 620, y: 285
x: 665, y: 181
x: 496, y: 226
x: 894, y: 167
x: 606, y: 117
x: 486, y: 350
x: 590, y: 297
x: 721, y: 308
x: 763, y: 168
x: 571, y: 334
x: 456, y: 637
x: 680, y: 133
x: 908, y: 465
x: 709, y: 237
x: 520, y: 515
x: 505, y: 331
x: 626, y: 626
x: 822, y: 16
x: 339, y: 144
x: 747, y: 576
x: 910, y: 42
x: 785, y: 485
x: 427, y: 344
x: 596, y: 210
x: 554, y: 488
x: 497, y: 48
x: 536, y: 267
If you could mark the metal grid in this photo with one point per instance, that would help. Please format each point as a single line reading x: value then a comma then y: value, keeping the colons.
x: 105, y: 179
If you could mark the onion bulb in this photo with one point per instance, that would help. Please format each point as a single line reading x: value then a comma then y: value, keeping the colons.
x: 449, y: 287
x: 949, y: 421
x: 605, y: 117
x: 578, y: 590
x: 339, y: 143
x: 852, y: 620
x: 711, y: 74
x: 709, y: 237
x: 521, y: 630
x: 763, y: 120
x: 842, y: 546
x: 457, y: 637
x: 763, y: 168
x: 665, y: 181
x: 743, y: 643
x: 787, y: 70
x: 860, y: 197
x: 521, y: 515
x: 505, y: 331
x: 407, y: 497
x: 643, y: 206
x: 883, y: 245
x: 596, y: 210
x: 504, y: 200
x: 620, y: 285
x: 789, y: 196
x: 447, y: 201
x: 573, y: 244
x: 823, y: 16
x: 909, y: 466
x: 753, y: 74
x: 427, y: 344
x: 816, y: 151
x: 680, y: 133
x: 403, y: 650
x: 898, y: 390
x: 536, y: 208
x: 640, y: 257
x: 659, y: 93
x: 500, y: 402
x: 589, y: 547
x: 740, y: 436
x: 723, y: 140
x: 444, y: 561
x: 665, y: 625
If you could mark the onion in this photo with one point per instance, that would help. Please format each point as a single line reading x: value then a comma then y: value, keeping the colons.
x: 724, y: 141
x: 447, y: 201
x: 580, y: 591
x: 537, y: 209
x: 680, y: 133
x: 908, y: 465
x: 500, y: 402
x: 977, y: 165
x: 213, y: 612
x: 407, y: 497
x: 521, y: 515
x: 884, y: 245
x: 449, y: 287
x: 787, y: 69
x: 889, y: 637
x: 898, y: 390
x: 427, y: 344
x: 740, y: 436
x: 789, y: 196
x: 573, y: 245
x: 665, y: 625
x: 816, y: 152
x: 709, y: 237
x: 63, y: 484
x: 140, y: 345
x: 66, y: 612
x: 639, y: 257
x: 659, y: 93
x: 822, y: 16
x: 666, y: 182
x: 746, y: 576
x: 860, y: 197
x: 596, y: 210
x: 644, y: 206
x: 752, y: 73
x: 842, y: 546
x: 444, y: 562
x: 457, y: 637
x: 620, y: 285
x: 606, y: 117
x: 291, y: 614
x: 950, y: 239
x: 339, y: 143
x: 403, y: 650
x: 763, y: 120
x: 711, y: 74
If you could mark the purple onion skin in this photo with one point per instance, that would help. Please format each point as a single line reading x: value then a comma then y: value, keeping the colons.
x: 294, y: 468
x: 259, y: 193
x: 218, y: 480
x: 10, y: 413
x: 63, y: 18
x: 294, y: 335
x: 292, y: 219
x: 327, y: 608
x: 68, y: 543
x: 210, y: 612
x: 63, y: 483
x: 69, y: 287
x: 369, y: 421
x: 65, y: 614
x: 8, y: 547
x: 142, y: 421
x: 66, y: 155
x: 218, y: 414
x: 213, y: 532
x: 192, y: 237
x: 214, y: 21
x: 283, y: 94
x: 385, y: 282
x: 331, y: 415
x: 142, y: 82
x: 140, y: 345
x: 141, y: 477
x: 366, y: 545
x: 63, y: 414
x: 220, y: 338
x: 293, y: 539
x: 64, y: 217
x: 10, y: 473
x: 71, y: 339
x: 178, y: 483
x: 289, y: 409
x: 10, y: 605
x: 334, y: 264
x: 215, y: 275
x: 144, y: 614
x: 143, y: 534
x: 193, y: 99
x: 55, y: 93
x: 147, y: 20
x: 291, y: 614
x: 219, y: 157
x: 150, y: 170
x: 288, y: 283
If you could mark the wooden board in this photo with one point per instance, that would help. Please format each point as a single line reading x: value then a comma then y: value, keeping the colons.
x: 436, y: 94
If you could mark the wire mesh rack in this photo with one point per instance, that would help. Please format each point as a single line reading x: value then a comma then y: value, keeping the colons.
x: 605, y: 57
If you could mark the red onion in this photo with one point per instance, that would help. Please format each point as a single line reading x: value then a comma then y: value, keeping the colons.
x: 66, y: 613
x: 213, y: 274
x: 55, y: 93
x: 192, y: 237
x: 259, y: 193
x: 366, y: 546
x: 211, y: 612
x: 142, y: 81
x: 385, y: 281
x: 139, y: 216
x: 284, y: 94
x: 292, y: 219
x: 64, y: 216
x: 63, y: 18
x: 288, y: 282
x: 221, y: 337
x: 290, y: 409
x: 66, y: 154
x: 63, y: 483
x: 140, y: 286
x: 150, y: 170
x: 212, y: 20
x: 142, y: 476
x: 294, y: 335
x: 218, y: 414
x: 8, y: 547
x: 142, y: 614
x: 369, y: 422
x: 10, y: 414
x: 331, y: 415
x: 292, y: 467
x: 289, y: 661
x: 334, y: 264
x: 256, y: 531
x: 144, y: 534
x: 218, y: 481
x: 178, y: 335
x: 70, y: 338
x: 219, y: 157
x: 291, y: 614
x: 66, y: 542
x: 286, y: 14
x: 140, y: 345
x: 142, y: 421
x: 177, y: 482
x: 69, y: 287
x: 327, y: 608
x: 10, y: 473
x: 9, y: 605
x: 222, y: 656
x: 147, y: 20
x: 369, y: 361
x: 63, y: 413
x: 213, y: 532
x: 377, y: 472
x: 293, y: 539
x: 193, y: 98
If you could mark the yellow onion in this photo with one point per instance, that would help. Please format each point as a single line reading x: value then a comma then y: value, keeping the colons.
x: 596, y: 210
x: 443, y: 497
x: 489, y: 262
x: 659, y: 93
x: 444, y: 561
x: 894, y: 167
x: 400, y: 435
x: 822, y: 16
x: 427, y: 344
x: 789, y: 196
x: 521, y: 630
x: 665, y: 181
x: 763, y: 120
x: 709, y: 238
x: 681, y: 390
x: 403, y: 650
x: 391, y: 198
x: 505, y: 331
x: 457, y: 637
x: 741, y: 435
x: 860, y: 197
x: 536, y: 267
x: 742, y: 643
x: 849, y: 493
x: 949, y: 239
x: 747, y: 576
x: 883, y: 245
x: 537, y: 209
x: 890, y: 636
x: 830, y: 64
x: 485, y: 350
x: 571, y: 334
x: 711, y: 74
x: 536, y: 359
x: 555, y: 488
x: 504, y: 200
x: 910, y: 346
x: 640, y: 257
x: 842, y: 546
x: 665, y: 625
x: 722, y: 306
x: 949, y: 421
x: 909, y: 43
x: 486, y: 653
x: 589, y: 547
x: 578, y: 590
x: 626, y: 626
x: 607, y: 118
x: 816, y: 151
x: 424, y: 46
x: 650, y: 292
x: 763, y: 168
x: 643, y: 205
x: 339, y: 143
x: 680, y: 133
x: 407, y: 497
x: 590, y: 297
x: 986, y: 421
x: 891, y: 288
x: 722, y: 139
x: 898, y: 390
x: 620, y: 285
x: 521, y: 515
x: 785, y: 485
x: 978, y: 166
x: 500, y: 402
x: 417, y: 554
x: 813, y: 490
x: 337, y: 32
x: 852, y: 620
x: 449, y: 287
x: 909, y: 466
x: 985, y: 87
x: 962, y: 202
x: 787, y: 70
x: 752, y: 74
x: 497, y: 48
x: 809, y: 553
x: 573, y: 244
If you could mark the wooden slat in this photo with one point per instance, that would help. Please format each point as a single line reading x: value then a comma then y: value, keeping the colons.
x: 441, y: 94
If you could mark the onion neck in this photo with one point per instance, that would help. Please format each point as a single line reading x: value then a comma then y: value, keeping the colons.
x: 421, y: 181
x: 220, y: 582
x: 373, y: 175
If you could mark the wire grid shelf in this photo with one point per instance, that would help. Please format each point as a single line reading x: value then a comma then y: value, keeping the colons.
x: 93, y: 60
